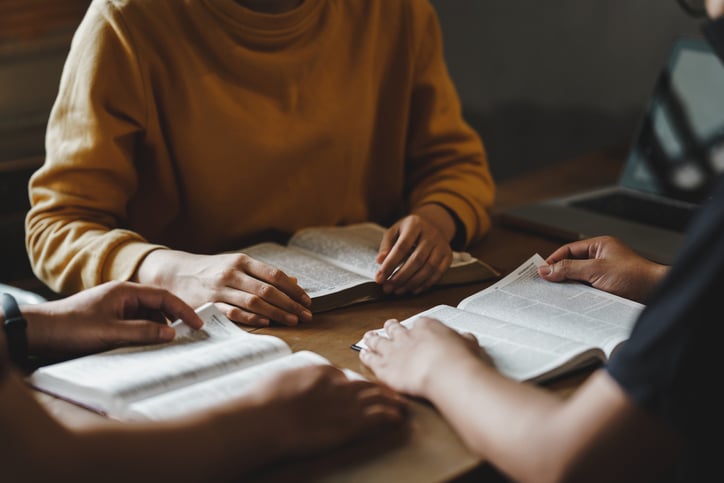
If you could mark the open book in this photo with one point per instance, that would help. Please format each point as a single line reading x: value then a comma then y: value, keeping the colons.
x: 535, y: 330
x: 197, y: 370
x: 336, y: 264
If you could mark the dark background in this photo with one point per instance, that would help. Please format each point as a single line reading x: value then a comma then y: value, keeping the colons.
x: 543, y: 81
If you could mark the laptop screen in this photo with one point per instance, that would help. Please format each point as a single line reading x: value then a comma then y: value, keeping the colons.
x: 679, y: 148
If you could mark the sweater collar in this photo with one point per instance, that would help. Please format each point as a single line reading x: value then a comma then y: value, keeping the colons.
x: 281, y: 25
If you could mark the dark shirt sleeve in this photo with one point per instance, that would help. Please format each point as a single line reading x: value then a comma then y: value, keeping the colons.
x: 673, y: 365
x: 672, y: 362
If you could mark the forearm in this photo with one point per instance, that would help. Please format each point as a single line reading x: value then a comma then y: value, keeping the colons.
x: 209, y: 448
x: 222, y: 445
x: 216, y: 447
x: 504, y: 421
x: 70, y: 255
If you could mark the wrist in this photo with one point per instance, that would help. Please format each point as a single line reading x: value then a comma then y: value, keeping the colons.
x: 657, y: 273
x: 441, y: 218
x: 447, y: 377
x: 660, y: 272
x: 37, y: 329
x: 155, y: 266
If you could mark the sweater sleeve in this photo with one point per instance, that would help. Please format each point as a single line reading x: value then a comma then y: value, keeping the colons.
x: 79, y: 196
x: 447, y: 162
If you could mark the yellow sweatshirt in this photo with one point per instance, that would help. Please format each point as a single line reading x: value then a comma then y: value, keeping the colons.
x: 200, y: 125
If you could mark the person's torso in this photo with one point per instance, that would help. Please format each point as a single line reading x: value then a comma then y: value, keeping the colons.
x: 270, y: 121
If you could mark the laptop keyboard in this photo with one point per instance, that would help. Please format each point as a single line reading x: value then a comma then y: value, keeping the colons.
x: 631, y: 208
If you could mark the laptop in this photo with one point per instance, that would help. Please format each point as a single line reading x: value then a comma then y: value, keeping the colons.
x: 675, y: 157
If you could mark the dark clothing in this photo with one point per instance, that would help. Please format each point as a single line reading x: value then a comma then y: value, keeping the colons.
x: 672, y: 363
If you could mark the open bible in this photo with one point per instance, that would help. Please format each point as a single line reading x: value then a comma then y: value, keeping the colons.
x: 197, y: 370
x: 535, y: 330
x: 336, y: 264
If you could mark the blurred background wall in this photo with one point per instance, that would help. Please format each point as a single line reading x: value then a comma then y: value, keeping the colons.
x: 544, y: 81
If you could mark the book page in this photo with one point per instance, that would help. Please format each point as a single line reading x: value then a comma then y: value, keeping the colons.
x: 355, y: 247
x: 218, y: 390
x: 518, y: 352
x: 314, y: 274
x: 109, y: 380
x: 571, y: 309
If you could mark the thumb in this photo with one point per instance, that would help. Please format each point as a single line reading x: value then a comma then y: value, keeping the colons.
x: 566, y: 269
x: 548, y: 272
x: 555, y: 272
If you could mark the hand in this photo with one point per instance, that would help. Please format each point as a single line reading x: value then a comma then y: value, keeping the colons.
x: 317, y: 407
x: 247, y: 291
x: 418, y: 250
x: 407, y: 359
x: 606, y: 263
x: 103, y: 317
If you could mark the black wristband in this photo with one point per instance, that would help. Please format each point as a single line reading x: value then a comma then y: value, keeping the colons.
x: 15, y: 331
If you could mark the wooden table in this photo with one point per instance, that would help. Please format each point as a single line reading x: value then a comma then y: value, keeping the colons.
x: 430, y: 451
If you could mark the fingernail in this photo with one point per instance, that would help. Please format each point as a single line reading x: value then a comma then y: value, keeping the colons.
x: 307, y: 300
x: 292, y: 319
x: 306, y: 315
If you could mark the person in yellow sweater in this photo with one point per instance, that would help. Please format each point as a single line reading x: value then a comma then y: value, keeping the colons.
x: 184, y: 129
